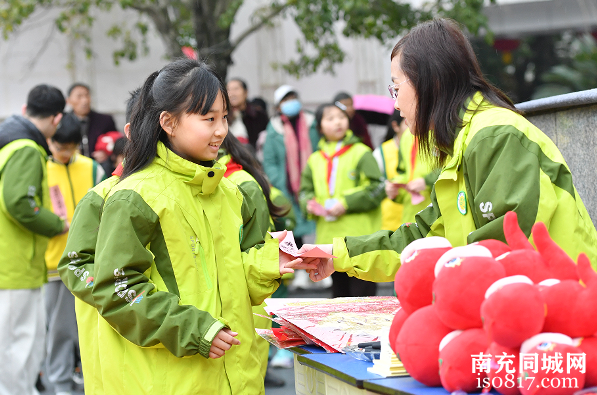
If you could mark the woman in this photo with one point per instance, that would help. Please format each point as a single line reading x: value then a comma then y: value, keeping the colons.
x: 493, y: 161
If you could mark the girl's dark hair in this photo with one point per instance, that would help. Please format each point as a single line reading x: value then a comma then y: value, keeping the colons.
x: 241, y: 155
x: 321, y: 110
x: 183, y: 86
x: 390, y: 133
x: 440, y: 63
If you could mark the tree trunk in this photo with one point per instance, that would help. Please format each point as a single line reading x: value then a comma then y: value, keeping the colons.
x: 213, y: 41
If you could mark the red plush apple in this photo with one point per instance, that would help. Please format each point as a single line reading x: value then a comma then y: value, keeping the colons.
x: 588, y: 345
x: 503, y: 369
x: 559, y: 264
x: 399, y: 319
x: 515, y: 237
x: 544, y: 366
x: 572, y: 308
x: 512, y: 311
x: 525, y: 262
x: 496, y: 247
x: 459, y: 289
x: 414, y: 281
x: 456, y: 353
x: 418, y: 345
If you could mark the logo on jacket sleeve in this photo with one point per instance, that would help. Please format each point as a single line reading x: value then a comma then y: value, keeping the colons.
x: 461, y: 202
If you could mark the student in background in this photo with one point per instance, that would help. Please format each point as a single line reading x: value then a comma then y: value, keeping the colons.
x: 70, y: 176
x: 390, y: 163
x: 26, y: 224
x: 78, y: 275
x: 342, y: 188
x: 358, y: 125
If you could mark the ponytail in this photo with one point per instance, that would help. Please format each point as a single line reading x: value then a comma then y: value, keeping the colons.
x: 244, y: 158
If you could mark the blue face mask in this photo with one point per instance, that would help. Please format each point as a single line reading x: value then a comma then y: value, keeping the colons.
x: 291, y: 108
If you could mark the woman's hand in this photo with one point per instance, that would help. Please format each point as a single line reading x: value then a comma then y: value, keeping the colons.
x: 417, y: 185
x: 337, y: 210
x: 391, y: 190
x: 223, y: 341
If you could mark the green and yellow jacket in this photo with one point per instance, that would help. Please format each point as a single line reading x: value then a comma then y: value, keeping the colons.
x: 358, y: 185
x: 26, y: 218
x: 73, y: 180
x: 157, y: 285
x: 500, y: 162
x: 389, y: 160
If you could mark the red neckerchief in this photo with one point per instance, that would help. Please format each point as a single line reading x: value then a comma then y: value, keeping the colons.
x: 232, y: 167
x: 330, y: 159
x: 118, y: 171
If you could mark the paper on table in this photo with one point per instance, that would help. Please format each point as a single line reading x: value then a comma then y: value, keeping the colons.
x: 58, y: 206
x: 288, y: 245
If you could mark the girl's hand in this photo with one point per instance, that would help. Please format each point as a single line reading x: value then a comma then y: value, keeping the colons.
x: 391, y: 190
x: 417, y: 185
x: 337, y: 210
x: 287, y: 262
x: 223, y: 341
x: 315, y: 208
x: 323, y: 268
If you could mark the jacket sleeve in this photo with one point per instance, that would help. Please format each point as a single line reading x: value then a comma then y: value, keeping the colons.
x: 259, y: 254
x: 76, y: 266
x: 272, y: 164
x: 124, y: 295
x: 22, y: 193
x: 287, y: 222
x: 376, y: 257
x: 261, y: 216
x: 369, y: 194
x: 307, y: 191
x: 502, y: 170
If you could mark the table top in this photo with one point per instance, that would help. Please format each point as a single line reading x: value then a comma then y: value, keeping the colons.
x: 354, y: 372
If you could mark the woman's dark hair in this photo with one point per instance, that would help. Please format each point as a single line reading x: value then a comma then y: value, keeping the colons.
x: 440, y: 63
x: 183, y: 86
x: 390, y: 133
x: 321, y: 110
x: 243, y: 157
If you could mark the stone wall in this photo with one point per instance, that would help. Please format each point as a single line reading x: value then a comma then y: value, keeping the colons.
x: 571, y: 122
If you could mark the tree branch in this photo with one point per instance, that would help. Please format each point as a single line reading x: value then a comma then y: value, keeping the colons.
x: 263, y: 20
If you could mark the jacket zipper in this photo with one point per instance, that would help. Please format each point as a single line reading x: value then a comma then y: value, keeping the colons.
x: 72, y: 191
x: 199, y: 250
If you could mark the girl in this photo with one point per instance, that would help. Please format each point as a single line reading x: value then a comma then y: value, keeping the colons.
x: 391, y: 163
x: 175, y: 270
x: 343, y: 188
x: 493, y: 160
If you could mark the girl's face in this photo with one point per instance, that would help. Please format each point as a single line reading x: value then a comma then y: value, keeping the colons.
x: 334, y: 124
x: 406, y: 100
x: 197, y: 137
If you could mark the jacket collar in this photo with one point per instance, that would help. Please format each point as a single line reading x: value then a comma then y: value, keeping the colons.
x: 17, y: 127
x: 472, y: 105
x: 330, y: 146
x: 203, y: 179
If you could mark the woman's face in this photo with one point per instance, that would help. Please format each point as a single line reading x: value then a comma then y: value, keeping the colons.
x: 406, y: 100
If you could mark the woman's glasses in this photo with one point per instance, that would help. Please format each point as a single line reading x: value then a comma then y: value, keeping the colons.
x: 394, y: 89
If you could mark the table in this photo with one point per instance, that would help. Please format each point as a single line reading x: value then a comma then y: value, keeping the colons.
x: 319, y: 373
